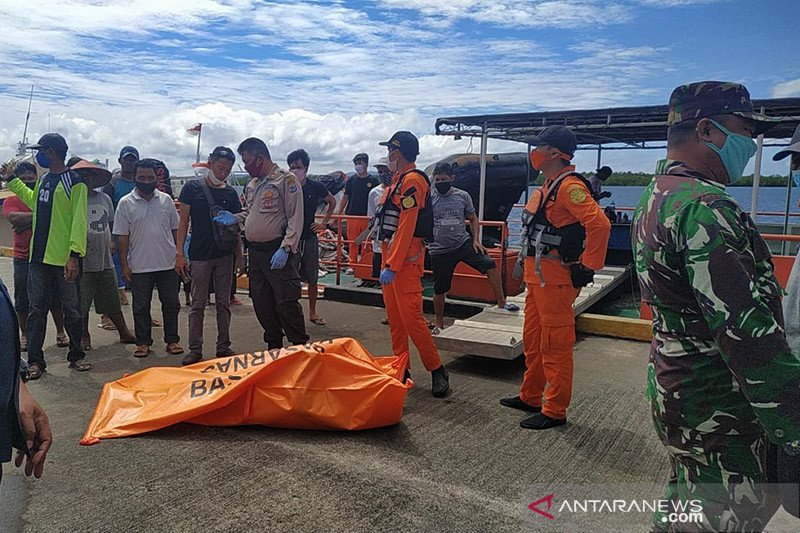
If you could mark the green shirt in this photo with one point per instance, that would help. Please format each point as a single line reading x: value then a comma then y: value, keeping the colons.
x: 60, y: 211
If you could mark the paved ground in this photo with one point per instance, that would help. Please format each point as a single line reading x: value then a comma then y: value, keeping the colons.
x: 458, y: 464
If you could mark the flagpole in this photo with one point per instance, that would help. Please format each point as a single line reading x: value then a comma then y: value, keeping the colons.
x: 199, y: 134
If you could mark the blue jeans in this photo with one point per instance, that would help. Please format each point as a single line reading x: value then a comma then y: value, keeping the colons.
x: 44, y: 280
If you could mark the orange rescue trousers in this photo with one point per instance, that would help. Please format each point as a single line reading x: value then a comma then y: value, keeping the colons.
x: 403, y: 300
x: 548, y: 338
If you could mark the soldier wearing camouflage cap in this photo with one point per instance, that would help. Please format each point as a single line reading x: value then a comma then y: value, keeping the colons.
x: 722, y: 380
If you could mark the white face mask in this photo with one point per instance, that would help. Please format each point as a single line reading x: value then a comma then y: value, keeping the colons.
x: 392, y: 164
x: 205, y: 172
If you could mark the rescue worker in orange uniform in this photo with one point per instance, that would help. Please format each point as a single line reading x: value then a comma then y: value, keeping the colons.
x: 405, y: 220
x: 565, y: 237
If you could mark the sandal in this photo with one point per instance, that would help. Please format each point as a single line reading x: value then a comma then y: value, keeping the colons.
x: 80, y: 366
x: 142, y: 351
x: 156, y: 323
x: 173, y: 348
x: 318, y: 321
x: 35, y: 371
x: 86, y: 345
x: 385, y: 321
x: 513, y: 308
x: 62, y: 341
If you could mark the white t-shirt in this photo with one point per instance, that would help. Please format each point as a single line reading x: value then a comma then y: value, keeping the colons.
x: 149, y: 225
x: 372, y: 204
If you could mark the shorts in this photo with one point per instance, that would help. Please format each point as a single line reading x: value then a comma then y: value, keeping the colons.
x: 100, y: 288
x: 21, y: 301
x: 309, y: 259
x: 444, y: 265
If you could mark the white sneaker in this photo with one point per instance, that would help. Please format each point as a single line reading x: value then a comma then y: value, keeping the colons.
x: 349, y: 272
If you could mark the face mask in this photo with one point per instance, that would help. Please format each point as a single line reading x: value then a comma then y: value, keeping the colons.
x: 206, y: 173
x: 299, y: 173
x: 735, y: 153
x: 42, y: 159
x: 796, y: 177
x: 146, y: 188
x: 386, y: 179
x: 254, y: 169
x: 392, y: 164
x: 538, y: 158
x: 361, y: 168
x: 443, y: 186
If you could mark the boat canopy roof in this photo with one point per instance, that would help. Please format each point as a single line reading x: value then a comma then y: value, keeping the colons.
x: 633, y: 127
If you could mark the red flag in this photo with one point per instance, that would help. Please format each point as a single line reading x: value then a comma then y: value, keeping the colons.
x: 195, y: 130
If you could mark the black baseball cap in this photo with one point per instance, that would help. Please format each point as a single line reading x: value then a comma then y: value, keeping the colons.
x: 53, y: 141
x: 128, y: 150
x: 405, y: 141
x: 560, y: 137
x: 361, y: 157
x: 222, y: 152
x: 793, y: 148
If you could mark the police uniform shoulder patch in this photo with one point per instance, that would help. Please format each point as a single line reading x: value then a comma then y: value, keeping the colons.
x: 576, y: 194
x: 408, y: 202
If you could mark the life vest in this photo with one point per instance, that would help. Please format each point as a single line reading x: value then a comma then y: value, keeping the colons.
x: 387, y: 216
x: 540, y: 237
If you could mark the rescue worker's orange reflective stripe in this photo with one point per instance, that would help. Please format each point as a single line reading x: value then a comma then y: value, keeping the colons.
x: 548, y: 339
x: 405, y: 255
x: 332, y: 384
x: 573, y: 203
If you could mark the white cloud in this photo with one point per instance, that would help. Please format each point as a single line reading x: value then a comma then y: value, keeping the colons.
x: 787, y: 89
x: 520, y: 13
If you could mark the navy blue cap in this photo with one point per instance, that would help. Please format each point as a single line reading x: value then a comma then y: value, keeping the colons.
x: 51, y: 140
x: 560, y: 137
x: 405, y: 141
x: 127, y: 150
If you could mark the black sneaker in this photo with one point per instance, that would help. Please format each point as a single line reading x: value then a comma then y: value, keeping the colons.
x: 227, y: 352
x: 440, y: 382
x: 540, y: 421
x: 515, y: 402
x: 191, y: 358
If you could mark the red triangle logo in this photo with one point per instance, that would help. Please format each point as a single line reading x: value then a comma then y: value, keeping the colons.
x: 535, y: 506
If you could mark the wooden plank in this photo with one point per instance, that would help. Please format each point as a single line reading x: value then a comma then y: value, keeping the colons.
x: 614, y: 326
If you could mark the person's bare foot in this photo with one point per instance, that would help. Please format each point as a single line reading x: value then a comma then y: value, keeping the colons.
x: 86, y: 344
x: 123, y: 297
x: 236, y: 301
x: 156, y: 323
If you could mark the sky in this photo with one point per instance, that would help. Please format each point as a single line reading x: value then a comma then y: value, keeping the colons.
x: 337, y: 77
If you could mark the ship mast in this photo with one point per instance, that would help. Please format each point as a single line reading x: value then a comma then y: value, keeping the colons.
x: 21, y: 147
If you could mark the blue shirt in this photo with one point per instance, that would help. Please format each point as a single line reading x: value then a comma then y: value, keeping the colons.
x: 10, y: 430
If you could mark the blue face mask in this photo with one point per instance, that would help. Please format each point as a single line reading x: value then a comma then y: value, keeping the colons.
x: 735, y: 153
x: 796, y: 177
x: 42, y: 159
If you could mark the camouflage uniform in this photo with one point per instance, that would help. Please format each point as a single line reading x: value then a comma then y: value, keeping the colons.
x: 721, y: 376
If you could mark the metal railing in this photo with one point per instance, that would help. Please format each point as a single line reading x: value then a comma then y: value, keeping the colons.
x: 341, y: 241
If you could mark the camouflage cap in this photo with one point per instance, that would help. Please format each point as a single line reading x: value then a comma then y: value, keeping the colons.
x: 705, y: 99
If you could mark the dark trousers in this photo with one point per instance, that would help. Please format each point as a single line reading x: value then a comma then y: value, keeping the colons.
x: 43, y: 280
x: 205, y: 272
x: 276, y: 296
x: 166, y: 281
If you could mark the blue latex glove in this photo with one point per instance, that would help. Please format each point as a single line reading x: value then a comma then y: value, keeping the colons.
x: 387, y: 276
x: 226, y: 218
x: 279, y: 259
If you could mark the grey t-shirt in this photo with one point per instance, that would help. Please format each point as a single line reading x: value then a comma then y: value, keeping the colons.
x: 98, y: 233
x: 449, y: 213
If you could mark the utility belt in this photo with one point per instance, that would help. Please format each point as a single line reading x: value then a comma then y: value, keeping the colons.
x: 268, y: 246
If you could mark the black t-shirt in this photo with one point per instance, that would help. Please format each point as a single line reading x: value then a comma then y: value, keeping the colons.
x: 313, y: 193
x: 357, y: 191
x: 202, y: 246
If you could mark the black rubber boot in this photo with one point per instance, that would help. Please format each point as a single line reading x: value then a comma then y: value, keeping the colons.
x: 540, y: 421
x: 515, y: 402
x: 440, y: 382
